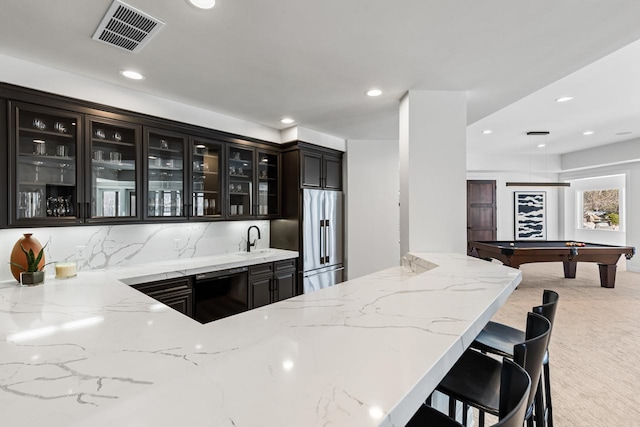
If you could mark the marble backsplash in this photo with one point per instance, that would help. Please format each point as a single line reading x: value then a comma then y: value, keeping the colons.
x: 123, y: 245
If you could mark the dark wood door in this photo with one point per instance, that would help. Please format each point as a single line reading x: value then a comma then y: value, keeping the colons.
x: 311, y: 170
x: 260, y: 289
x: 481, y: 210
x: 285, y: 284
x: 180, y: 301
x: 332, y: 173
x: 176, y: 293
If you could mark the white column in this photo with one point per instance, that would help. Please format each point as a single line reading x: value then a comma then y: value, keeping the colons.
x: 433, y: 207
x: 372, y: 201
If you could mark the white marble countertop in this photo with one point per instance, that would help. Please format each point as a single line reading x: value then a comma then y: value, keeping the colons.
x: 93, y: 351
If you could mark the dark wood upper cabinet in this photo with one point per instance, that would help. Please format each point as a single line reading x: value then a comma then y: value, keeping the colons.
x: 311, y: 169
x: 165, y: 152
x: 114, y: 152
x: 320, y: 169
x: 68, y: 161
x: 46, y: 173
x: 207, y: 178
x: 4, y: 163
x: 332, y: 172
x: 253, y: 182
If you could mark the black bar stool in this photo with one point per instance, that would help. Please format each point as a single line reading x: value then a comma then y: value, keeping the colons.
x: 515, y: 386
x: 497, y: 338
x: 475, y: 378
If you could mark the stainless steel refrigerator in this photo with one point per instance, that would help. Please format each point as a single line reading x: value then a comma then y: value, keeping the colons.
x: 322, y: 239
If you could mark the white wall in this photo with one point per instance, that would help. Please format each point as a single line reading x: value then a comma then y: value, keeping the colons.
x: 619, y: 158
x: 372, y: 222
x: 505, y: 200
x: 572, y: 209
x: 40, y: 77
x: 115, y: 246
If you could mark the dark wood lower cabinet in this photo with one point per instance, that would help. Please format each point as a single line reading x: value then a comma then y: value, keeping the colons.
x: 268, y: 283
x: 175, y: 293
x: 260, y: 291
x: 271, y: 282
x: 285, y: 279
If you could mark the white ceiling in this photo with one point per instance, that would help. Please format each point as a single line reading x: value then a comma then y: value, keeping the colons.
x: 263, y: 60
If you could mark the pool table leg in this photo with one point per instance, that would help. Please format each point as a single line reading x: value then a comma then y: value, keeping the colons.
x: 569, y: 269
x: 607, y: 275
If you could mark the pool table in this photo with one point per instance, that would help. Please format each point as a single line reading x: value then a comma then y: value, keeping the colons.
x: 516, y: 253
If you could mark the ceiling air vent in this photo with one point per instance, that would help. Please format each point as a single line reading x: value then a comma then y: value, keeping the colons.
x: 126, y: 27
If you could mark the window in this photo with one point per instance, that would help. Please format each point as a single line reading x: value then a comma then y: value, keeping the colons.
x: 601, y: 209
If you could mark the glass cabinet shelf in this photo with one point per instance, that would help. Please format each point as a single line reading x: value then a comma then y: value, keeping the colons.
x: 115, y: 163
x: 46, y: 165
x: 206, y: 183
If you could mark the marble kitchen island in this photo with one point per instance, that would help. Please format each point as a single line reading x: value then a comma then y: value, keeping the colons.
x: 92, y: 351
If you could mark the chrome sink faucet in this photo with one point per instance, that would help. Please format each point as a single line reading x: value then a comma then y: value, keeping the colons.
x: 249, y: 244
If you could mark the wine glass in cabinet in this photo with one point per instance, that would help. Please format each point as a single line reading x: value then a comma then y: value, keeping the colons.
x: 206, y: 180
x: 268, y: 183
x: 115, y: 173
x: 166, y: 175
x: 45, y: 150
x: 240, y: 163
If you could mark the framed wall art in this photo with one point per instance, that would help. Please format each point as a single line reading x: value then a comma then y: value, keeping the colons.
x: 530, y: 215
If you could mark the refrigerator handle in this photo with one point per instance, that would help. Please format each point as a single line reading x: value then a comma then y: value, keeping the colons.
x: 321, y: 241
x: 326, y: 241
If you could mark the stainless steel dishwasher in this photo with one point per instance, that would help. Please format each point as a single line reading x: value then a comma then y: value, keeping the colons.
x: 219, y: 294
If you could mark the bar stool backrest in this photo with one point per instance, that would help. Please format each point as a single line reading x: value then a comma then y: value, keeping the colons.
x: 530, y: 353
x: 515, y: 387
x: 549, y: 306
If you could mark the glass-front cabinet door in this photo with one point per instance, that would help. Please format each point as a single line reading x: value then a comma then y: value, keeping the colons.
x: 113, y: 155
x: 206, y: 180
x: 240, y: 163
x: 268, y: 183
x: 165, y: 178
x: 46, y: 170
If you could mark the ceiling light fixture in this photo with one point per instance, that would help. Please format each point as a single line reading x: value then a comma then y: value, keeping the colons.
x: 203, y: 4
x: 564, y: 99
x: 133, y: 75
x: 588, y: 132
x: 487, y: 131
x: 374, y: 92
x: 287, y: 120
x: 538, y: 184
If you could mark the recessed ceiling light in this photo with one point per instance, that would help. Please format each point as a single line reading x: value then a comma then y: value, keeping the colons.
x: 588, y: 132
x: 374, y: 92
x: 203, y: 4
x: 287, y: 120
x: 564, y: 99
x: 201, y: 146
x: 487, y: 131
x: 133, y: 75
x: 542, y: 145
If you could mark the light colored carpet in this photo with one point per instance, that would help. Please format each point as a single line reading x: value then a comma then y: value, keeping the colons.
x: 595, y: 345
